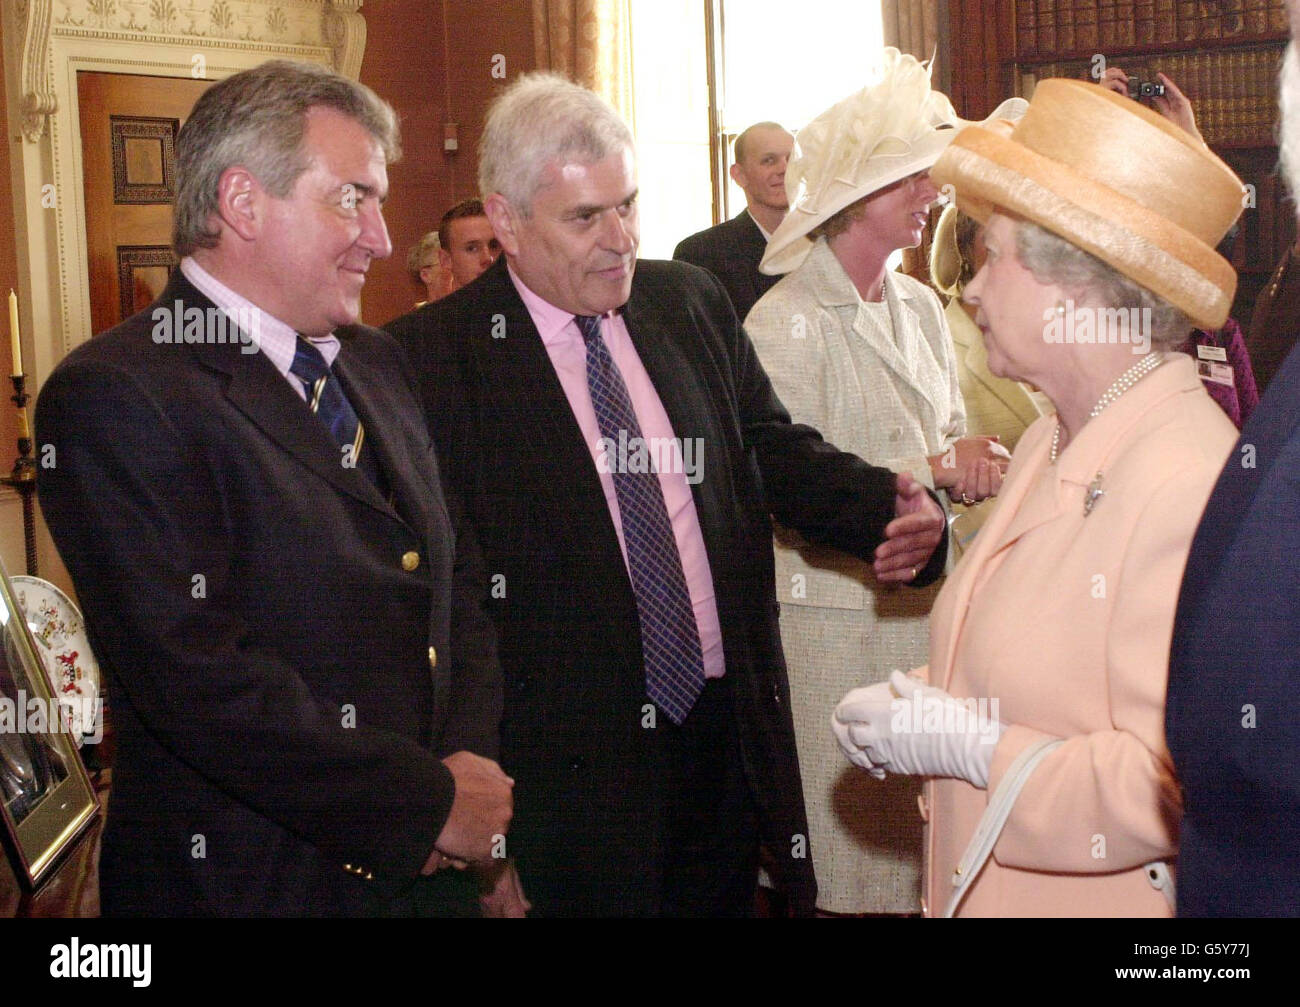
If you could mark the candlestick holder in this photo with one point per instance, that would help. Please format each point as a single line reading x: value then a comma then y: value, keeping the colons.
x: 23, y: 476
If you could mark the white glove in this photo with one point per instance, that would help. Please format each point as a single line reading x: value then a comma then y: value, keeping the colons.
x: 869, y: 702
x: 904, y: 726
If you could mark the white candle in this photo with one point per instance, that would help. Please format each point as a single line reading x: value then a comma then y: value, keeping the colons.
x: 15, y: 339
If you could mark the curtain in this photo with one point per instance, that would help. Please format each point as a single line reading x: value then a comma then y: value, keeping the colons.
x: 588, y: 42
x: 913, y: 26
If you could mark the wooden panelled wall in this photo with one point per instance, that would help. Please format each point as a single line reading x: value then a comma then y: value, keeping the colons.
x: 981, y: 40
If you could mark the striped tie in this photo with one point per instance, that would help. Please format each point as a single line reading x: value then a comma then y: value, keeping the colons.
x: 670, y: 637
x: 327, y: 401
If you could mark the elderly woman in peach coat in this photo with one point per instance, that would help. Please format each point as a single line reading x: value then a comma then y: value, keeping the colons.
x: 1051, y: 790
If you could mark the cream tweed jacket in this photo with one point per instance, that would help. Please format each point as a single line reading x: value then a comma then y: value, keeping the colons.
x: 879, y: 380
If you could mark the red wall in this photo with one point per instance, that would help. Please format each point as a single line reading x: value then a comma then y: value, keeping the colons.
x: 434, y: 63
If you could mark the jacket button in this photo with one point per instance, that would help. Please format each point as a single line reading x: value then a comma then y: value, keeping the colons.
x: 433, y: 658
x: 410, y: 560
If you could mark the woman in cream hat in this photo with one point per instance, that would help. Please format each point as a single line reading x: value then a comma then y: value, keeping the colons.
x: 862, y: 354
x: 1052, y: 791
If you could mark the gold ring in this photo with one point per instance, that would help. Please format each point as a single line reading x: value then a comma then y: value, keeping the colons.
x: 914, y: 573
x: 967, y: 500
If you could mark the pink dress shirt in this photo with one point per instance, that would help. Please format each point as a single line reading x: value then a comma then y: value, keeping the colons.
x: 568, y: 352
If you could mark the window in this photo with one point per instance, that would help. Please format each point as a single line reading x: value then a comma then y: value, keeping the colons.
x: 775, y: 60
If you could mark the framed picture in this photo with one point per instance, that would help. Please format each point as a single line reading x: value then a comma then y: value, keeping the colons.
x: 46, y: 799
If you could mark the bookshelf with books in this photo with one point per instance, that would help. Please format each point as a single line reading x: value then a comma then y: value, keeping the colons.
x: 1223, y: 54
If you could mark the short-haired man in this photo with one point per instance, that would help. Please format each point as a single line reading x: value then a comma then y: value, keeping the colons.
x: 621, y: 452
x: 246, y: 497
x: 1233, y: 671
x: 424, y: 267
x: 732, y: 250
x: 467, y: 244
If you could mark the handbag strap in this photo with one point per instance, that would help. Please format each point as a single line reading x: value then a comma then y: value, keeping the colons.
x: 995, y: 816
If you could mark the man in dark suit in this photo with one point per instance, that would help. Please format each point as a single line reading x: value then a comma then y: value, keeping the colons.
x: 620, y: 469
x: 1235, y: 665
x: 732, y: 250
x: 304, y: 681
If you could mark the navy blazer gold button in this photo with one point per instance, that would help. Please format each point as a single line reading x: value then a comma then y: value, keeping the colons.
x: 410, y: 560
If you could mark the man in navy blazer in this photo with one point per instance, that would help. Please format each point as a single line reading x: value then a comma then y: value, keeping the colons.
x: 1235, y: 666
x: 732, y: 250
x: 623, y: 810
x: 304, y: 682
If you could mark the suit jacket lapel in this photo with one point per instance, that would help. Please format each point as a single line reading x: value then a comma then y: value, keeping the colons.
x: 919, y: 369
x: 520, y: 382
x: 378, y: 413
x: 691, y: 414
x: 262, y: 394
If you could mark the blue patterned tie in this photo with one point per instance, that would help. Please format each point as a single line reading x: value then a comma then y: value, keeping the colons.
x: 326, y: 399
x: 670, y: 638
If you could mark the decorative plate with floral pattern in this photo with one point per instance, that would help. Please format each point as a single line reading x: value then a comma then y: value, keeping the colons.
x: 60, y: 635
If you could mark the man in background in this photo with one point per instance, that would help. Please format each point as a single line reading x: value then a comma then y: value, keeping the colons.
x: 731, y: 251
x: 467, y: 244
x: 1234, y: 673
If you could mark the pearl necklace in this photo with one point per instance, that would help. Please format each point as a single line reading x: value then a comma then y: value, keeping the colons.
x: 1122, y: 384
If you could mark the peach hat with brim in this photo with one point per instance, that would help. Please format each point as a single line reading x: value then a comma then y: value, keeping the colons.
x: 1113, y: 178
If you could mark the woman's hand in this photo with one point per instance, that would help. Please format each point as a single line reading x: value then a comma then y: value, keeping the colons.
x: 906, y: 727
x: 971, y: 469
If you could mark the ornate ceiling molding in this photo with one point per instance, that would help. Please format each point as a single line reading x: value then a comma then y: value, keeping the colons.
x: 281, y: 26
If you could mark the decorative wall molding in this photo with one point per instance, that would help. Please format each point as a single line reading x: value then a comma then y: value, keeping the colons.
x: 272, y: 26
x: 37, y: 100
x: 345, y: 30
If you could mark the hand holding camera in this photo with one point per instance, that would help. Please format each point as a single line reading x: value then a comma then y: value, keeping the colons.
x: 1165, y: 97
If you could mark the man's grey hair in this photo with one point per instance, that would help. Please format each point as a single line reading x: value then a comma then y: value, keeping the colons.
x: 1053, y: 259
x: 1289, y: 129
x: 539, y: 121
x: 257, y: 119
